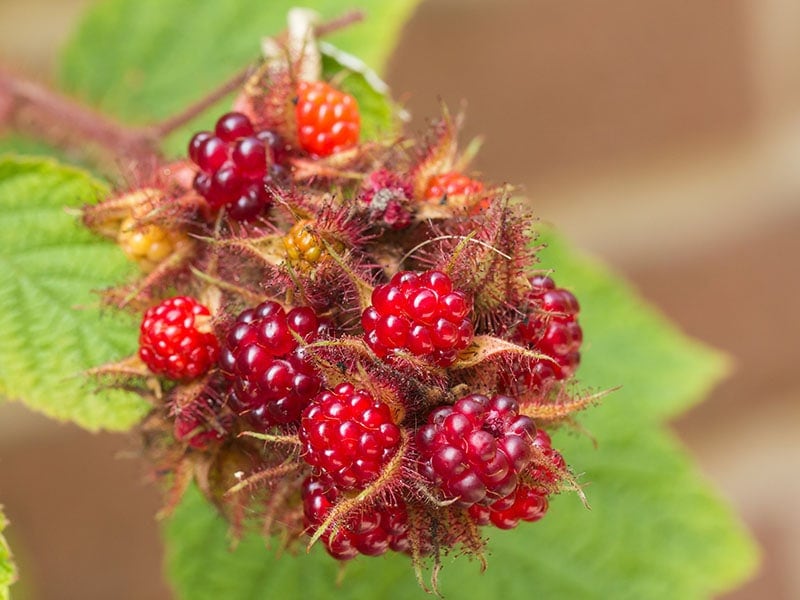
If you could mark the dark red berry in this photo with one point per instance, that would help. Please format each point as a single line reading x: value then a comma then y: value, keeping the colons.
x: 371, y: 532
x: 195, y: 143
x: 419, y: 313
x: 327, y: 119
x: 235, y: 165
x: 232, y: 126
x: 526, y: 503
x: 474, y: 450
x: 175, y: 339
x: 273, y: 380
x: 551, y: 328
x: 348, y: 435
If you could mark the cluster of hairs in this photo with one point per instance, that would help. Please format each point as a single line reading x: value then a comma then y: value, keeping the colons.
x: 367, y: 356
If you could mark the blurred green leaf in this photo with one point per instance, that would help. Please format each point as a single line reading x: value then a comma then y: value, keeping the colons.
x: 656, y: 528
x: 8, y: 572
x: 144, y: 60
x: 52, y: 327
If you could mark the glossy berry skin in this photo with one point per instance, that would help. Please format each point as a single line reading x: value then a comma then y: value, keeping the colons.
x: 526, y: 503
x: 551, y: 328
x: 272, y: 378
x: 447, y: 185
x: 348, y: 435
x: 419, y: 313
x: 174, y: 341
x: 328, y: 120
x: 235, y: 167
x: 371, y: 532
x: 474, y: 450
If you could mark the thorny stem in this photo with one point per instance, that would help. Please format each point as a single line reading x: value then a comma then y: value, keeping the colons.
x: 32, y: 107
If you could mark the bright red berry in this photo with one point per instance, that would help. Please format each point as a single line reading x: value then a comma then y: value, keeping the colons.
x: 328, y: 120
x: 451, y: 184
x: 551, y: 328
x: 474, y: 450
x: 348, y: 435
x: 235, y: 164
x: 419, y: 313
x: 272, y: 378
x: 175, y: 340
x: 526, y: 503
x: 371, y: 532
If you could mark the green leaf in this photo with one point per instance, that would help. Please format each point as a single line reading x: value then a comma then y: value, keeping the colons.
x: 8, y: 572
x: 656, y: 528
x: 52, y: 327
x: 144, y: 60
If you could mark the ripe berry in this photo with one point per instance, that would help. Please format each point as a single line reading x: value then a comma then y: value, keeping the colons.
x: 420, y: 313
x: 327, y: 119
x: 526, y: 503
x: 272, y: 378
x: 150, y: 244
x: 175, y: 340
x: 235, y: 166
x: 348, y: 435
x: 371, y: 532
x: 551, y: 328
x: 474, y: 450
x: 447, y: 185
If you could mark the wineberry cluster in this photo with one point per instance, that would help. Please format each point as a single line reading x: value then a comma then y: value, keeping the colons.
x: 351, y: 341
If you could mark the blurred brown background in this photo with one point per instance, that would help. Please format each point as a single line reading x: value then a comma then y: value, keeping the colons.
x: 663, y: 136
